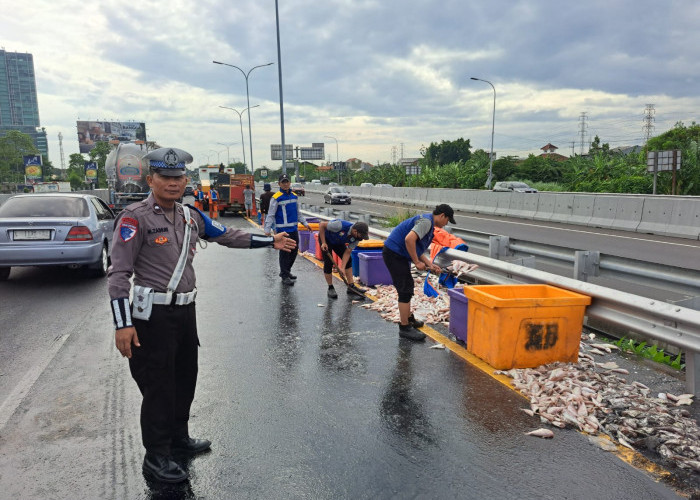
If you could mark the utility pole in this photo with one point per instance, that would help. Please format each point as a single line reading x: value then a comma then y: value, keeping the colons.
x: 393, y: 155
x: 573, y: 148
x: 648, y: 127
x: 582, y: 130
x: 402, y: 151
x: 60, y: 147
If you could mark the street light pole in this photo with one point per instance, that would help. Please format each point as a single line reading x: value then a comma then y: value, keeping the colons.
x: 240, y: 120
x: 336, y: 151
x: 247, y: 94
x: 493, y: 125
x: 228, y: 155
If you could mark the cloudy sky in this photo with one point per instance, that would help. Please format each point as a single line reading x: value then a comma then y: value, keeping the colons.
x: 380, y: 76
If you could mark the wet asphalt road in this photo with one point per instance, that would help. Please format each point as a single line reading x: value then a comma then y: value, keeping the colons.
x: 300, y: 401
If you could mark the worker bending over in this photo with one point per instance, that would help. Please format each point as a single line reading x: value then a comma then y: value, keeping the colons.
x: 341, y: 237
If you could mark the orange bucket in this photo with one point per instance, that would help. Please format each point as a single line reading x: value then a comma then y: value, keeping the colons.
x: 524, y: 326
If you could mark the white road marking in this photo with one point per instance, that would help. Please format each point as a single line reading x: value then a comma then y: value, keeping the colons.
x: 12, y: 402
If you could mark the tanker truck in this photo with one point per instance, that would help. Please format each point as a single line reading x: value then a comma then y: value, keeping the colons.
x: 126, y: 175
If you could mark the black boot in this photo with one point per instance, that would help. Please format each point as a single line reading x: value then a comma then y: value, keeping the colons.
x: 415, y: 323
x: 160, y: 468
x: 331, y: 292
x: 189, y: 445
x: 410, y: 333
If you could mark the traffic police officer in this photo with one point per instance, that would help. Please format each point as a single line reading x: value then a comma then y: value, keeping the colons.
x: 284, y: 212
x: 341, y: 237
x: 213, y: 203
x: 155, y: 240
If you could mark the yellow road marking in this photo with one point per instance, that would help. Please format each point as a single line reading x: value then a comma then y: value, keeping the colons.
x: 634, y: 458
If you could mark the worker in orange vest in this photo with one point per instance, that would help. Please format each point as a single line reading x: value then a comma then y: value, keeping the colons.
x: 199, y: 197
x: 213, y: 204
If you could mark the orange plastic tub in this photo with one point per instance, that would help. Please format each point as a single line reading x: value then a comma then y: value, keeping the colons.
x: 371, y: 244
x: 524, y: 326
x: 312, y: 225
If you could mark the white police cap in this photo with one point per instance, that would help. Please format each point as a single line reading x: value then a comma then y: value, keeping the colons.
x: 168, y: 161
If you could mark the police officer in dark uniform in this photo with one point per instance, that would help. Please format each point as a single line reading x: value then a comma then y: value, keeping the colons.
x: 155, y: 241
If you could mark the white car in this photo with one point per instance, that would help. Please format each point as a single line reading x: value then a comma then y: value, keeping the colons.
x: 366, y: 185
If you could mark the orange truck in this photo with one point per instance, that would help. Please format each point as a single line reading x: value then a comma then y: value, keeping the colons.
x: 230, y: 189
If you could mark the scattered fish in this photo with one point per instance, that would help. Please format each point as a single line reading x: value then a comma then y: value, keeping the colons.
x: 321, y: 305
x: 541, y: 433
x: 438, y: 346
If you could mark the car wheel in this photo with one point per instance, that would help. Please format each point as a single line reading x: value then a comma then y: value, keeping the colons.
x: 99, y: 268
x: 4, y: 273
x: 348, y: 203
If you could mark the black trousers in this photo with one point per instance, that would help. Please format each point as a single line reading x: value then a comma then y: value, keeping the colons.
x: 165, y: 369
x: 287, y: 258
x: 339, y: 250
x: 399, y: 268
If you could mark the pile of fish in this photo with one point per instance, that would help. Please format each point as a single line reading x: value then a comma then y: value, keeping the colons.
x: 594, y: 398
x: 431, y: 310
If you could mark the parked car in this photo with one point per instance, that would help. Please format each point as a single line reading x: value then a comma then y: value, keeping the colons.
x: 55, y: 229
x: 337, y: 194
x: 298, y: 189
x: 517, y: 187
x: 366, y: 185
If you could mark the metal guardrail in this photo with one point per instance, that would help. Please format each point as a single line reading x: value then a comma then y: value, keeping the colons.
x: 672, y: 324
x: 583, y: 264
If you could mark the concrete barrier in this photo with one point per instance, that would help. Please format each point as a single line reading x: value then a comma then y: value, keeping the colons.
x: 685, y: 220
x: 656, y: 215
x: 502, y: 203
x: 545, y: 206
x: 563, y: 208
x: 629, y: 213
x: 604, y: 211
x: 485, y: 202
x: 521, y: 205
x: 583, y: 209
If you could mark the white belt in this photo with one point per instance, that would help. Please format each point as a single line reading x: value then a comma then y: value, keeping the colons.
x: 180, y: 299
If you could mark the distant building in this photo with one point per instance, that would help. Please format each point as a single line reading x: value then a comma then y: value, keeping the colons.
x: 549, y: 152
x: 19, y: 108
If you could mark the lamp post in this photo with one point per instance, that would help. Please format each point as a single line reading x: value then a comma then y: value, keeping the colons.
x: 247, y: 94
x: 493, y: 125
x: 336, y: 151
x: 218, y: 153
x: 228, y: 155
x: 240, y: 120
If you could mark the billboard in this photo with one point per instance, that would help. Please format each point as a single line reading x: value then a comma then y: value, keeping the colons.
x: 91, y: 132
x: 32, y: 168
x: 91, y: 171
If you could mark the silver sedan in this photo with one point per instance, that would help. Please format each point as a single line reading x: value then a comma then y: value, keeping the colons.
x: 56, y: 229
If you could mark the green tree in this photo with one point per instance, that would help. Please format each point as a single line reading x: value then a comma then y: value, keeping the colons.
x: 687, y: 140
x: 448, y: 152
x: 13, y: 145
x: 99, y: 154
x: 76, y: 171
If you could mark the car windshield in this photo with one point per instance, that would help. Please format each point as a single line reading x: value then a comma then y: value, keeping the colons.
x: 44, y: 206
x: 519, y: 185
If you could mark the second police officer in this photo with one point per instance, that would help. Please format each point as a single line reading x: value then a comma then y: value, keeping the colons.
x: 284, y: 212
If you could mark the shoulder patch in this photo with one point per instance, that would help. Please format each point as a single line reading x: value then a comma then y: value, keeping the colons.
x: 277, y: 194
x: 128, y: 228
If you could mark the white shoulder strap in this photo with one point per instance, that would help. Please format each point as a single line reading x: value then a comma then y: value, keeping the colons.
x: 180, y: 267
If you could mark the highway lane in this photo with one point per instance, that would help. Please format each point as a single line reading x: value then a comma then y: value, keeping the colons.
x: 301, y: 401
x: 665, y: 250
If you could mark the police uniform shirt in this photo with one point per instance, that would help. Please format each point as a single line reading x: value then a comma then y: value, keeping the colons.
x: 147, y: 245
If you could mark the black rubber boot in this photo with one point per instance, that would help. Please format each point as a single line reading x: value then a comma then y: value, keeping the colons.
x: 410, y: 333
x: 415, y: 323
